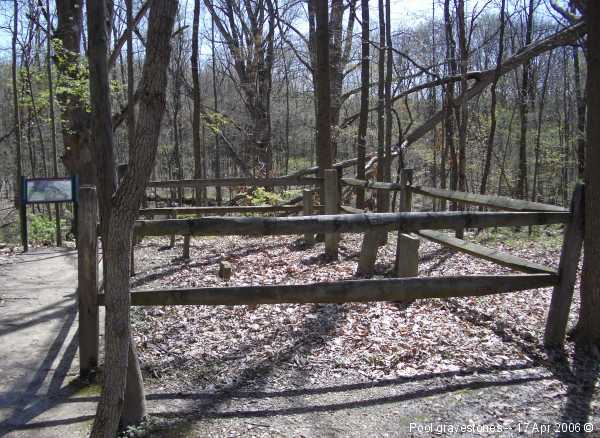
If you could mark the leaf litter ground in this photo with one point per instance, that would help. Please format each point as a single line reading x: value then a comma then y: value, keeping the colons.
x: 376, y: 369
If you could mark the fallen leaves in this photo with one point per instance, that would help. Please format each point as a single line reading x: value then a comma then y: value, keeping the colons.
x: 217, y: 346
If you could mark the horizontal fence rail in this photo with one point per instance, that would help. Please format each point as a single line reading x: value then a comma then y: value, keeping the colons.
x: 343, y: 223
x: 398, y: 289
x: 236, y: 182
x: 482, y: 252
x: 496, y: 202
x: 223, y: 210
x: 353, y: 182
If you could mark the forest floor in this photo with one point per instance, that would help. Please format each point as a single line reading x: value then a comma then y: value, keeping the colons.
x: 426, y: 368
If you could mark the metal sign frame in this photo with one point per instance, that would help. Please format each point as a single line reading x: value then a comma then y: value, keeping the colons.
x: 24, y: 201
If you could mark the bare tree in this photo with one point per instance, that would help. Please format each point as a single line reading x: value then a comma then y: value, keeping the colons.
x: 249, y: 33
x: 125, y: 202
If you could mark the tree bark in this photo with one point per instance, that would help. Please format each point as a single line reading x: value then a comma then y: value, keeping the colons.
x: 126, y: 201
x: 589, y: 323
x: 52, y: 119
x: 322, y: 88
x: 364, y: 103
x: 16, y: 115
x: 449, y: 99
x: 381, y: 195
x: 490, y: 140
x: 217, y: 157
x: 536, y: 164
x: 77, y: 156
x: 580, y: 103
x: 524, y: 96
x: 388, y: 98
x: 196, y: 146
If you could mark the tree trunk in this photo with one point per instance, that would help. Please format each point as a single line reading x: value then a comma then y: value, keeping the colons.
x: 381, y: 194
x: 463, y: 114
x: 322, y: 88
x: 217, y: 157
x: 580, y: 102
x: 388, y: 99
x: 77, y: 157
x: 17, y: 117
x: 196, y: 146
x: 449, y: 119
x: 524, y: 96
x: 492, y: 133
x: 364, y: 103
x: 52, y: 119
x: 536, y: 164
x: 126, y: 201
x: 589, y: 323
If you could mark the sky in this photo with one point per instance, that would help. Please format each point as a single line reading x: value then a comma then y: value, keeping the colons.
x: 403, y: 12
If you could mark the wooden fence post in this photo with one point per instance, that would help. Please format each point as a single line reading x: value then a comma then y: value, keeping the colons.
x: 407, y: 256
x: 307, y: 210
x: 172, y: 241
x: 87, y: 290
x: 331, y: 207
x: 368, y: 253
x: 186, y: 246
x: 132, y: 256
x: 406, y: 263
x: 562, y: 295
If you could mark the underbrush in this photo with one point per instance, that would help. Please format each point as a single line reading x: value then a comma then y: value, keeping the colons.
x: 543, y: 236
x: 41, y: 230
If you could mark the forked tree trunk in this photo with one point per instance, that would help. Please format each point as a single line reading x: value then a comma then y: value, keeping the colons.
x: 126, y: 201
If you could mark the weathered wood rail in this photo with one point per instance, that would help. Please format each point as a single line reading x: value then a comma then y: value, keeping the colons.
x: 482, y: 252
x: 222, y: 210
x: 397, y: 289
x: 237, y: 182
x: 343, y: 223
x: 490, y: 201
x: 495, y: 202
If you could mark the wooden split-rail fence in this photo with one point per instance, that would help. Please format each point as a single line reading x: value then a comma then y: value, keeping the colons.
x: 337, y: 219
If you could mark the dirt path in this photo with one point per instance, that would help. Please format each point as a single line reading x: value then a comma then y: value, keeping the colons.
x: 39, y: 393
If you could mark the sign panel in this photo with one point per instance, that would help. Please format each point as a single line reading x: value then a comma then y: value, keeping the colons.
x: 49, y: 190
